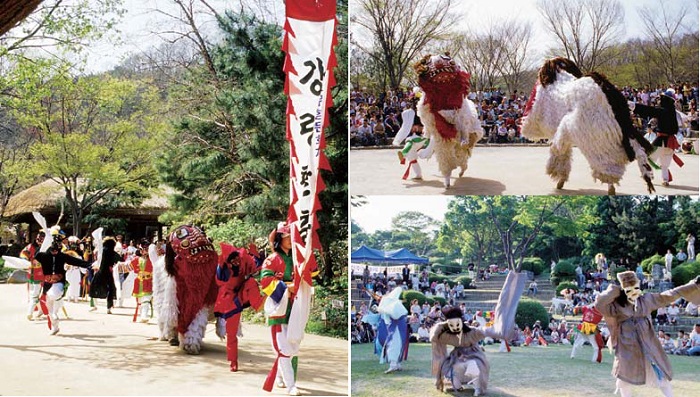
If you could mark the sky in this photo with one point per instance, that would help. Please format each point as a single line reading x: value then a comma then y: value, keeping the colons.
x: 142, y: 20
x: 377, y: 213
x: 475, y: 14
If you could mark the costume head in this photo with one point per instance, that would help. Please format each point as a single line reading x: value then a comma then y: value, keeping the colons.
x: 453, y: 314
x: 40, y: 237
x: 445, y: 85
x: 188, y: 244
x: 630, y: 284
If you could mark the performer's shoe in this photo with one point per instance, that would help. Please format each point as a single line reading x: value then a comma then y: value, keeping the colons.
x: 30, y: 317
x: 664, y: 183
x: 92, y: 309
x: 401, y: 158
x: 54, y: 331
x: 234, y: 366
x: 477, y: 391
x: 144, y: 320
x: 390, y: 370
x: 293, y: 391
x: 109, y: 311
x: 280, y: 383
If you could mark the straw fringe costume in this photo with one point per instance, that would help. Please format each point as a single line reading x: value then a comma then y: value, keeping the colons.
x: 588, y: 112
x: 450, y: 120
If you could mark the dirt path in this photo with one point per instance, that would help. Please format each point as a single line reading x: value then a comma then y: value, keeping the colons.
x: 100, y: 354
x: 507, y: 169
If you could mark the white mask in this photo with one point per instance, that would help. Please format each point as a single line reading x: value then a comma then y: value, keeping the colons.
x: 633, y: 292
x: 455, y: 325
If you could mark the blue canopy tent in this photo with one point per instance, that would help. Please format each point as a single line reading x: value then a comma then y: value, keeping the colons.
x: 366, y: 254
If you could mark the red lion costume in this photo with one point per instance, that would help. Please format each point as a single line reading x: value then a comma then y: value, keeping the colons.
x: 185, y: 288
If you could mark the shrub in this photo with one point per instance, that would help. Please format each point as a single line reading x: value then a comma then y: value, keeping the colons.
x: 565, y: 268
x: 685, y: 272
x: 408, y: 296
x: 529, y: 311
x: 564, y: 285
x: 465, y: 280
x: 648, y: 263
x: 533, y: 264
x: 437, y: 277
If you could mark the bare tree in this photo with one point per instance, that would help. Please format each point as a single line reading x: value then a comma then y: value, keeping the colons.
x: 515, y: 39
x: 665, y: 29
x: 586, y: 30
x: 401, y: 29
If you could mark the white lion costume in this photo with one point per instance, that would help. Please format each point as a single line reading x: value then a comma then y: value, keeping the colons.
x: 450, y: 120
x: 589, y: 112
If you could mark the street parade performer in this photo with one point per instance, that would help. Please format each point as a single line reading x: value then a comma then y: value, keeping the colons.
x: 278, y: 283
x: 53, y: 263
x: 36, y: 277
x: 102, y: 285
x: 666, y: 130
x: 639, y: 356
x: 588, y: 331
x: 390, y: 319
x: 466, y: 363
x: 412, y: 125
x: 238, y: 290
x: 587, y: 112
x: 143, y: 283
x: 450, y: 120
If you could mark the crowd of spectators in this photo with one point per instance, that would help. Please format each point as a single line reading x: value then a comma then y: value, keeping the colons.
x: 685, y: 343
x: 375, y: 119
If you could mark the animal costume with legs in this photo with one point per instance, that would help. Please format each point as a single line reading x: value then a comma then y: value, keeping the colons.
x: 450, y: 119
x: 639, y: 356
x: 187, y: 288
x: 667, y: 128
x: 467, y: 364
x: 588, y: 112
x: 588, y: 331
x: 237, y: 291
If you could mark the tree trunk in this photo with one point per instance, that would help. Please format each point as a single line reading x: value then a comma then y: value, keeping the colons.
x: 13, y: 12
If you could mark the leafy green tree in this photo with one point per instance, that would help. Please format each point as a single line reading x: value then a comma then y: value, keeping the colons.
x: 94, y: 136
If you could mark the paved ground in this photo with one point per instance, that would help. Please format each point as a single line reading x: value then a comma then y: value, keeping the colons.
x: 100, y: 354
x: 507, y: 169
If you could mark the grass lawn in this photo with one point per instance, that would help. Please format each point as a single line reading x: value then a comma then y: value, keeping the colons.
x: 524, y: 372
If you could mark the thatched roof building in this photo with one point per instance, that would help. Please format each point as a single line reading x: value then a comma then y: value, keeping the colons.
x: 44, y: 197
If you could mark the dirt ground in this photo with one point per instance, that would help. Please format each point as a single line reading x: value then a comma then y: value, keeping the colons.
x: 506, y: 169
x: 100, y: 354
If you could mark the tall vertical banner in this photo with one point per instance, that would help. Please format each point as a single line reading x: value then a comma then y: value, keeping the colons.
x: 310, y: 35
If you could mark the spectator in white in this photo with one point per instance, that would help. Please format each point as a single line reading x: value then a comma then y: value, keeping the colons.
x: 695, y: 341
x: 423, y: 334
x: 580, y: 278
x: 532, y: 288
x: 672, y: 312
x: 414, y: 281
x: 415, y: 307
x: 440, y: 289
x: 691, y: 246
x: 459, y: 290
x: 425, y: 309
x: 681, y: 256
x: 668, y: 259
